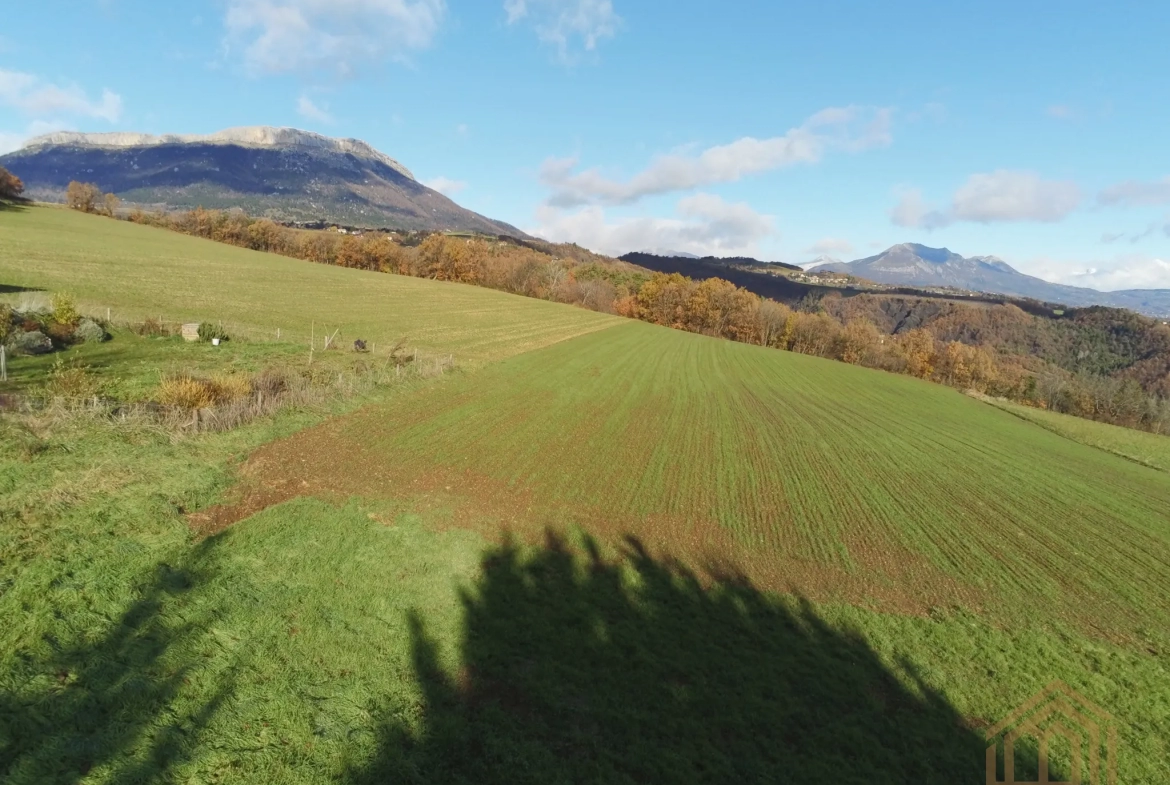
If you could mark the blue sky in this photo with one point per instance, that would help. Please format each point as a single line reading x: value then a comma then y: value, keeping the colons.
x: 1033, y: 131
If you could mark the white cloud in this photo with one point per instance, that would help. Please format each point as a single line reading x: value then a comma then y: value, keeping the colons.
x: 830, y: 245
x: 1134, y: 272
x: 1000, y: 196
x: 705, y: 225
x: 279, y: 36
x: 1006, y: 195
x: 559, y: 22
x: 10, y: 141
x: 1134, y: 193
x: 34, y: 97
x: 847, y: 128
x: 309, y: 110
x: 912, y: 211
x: 1060, y: 111
x: 445, y: 186
x: 49, y: 107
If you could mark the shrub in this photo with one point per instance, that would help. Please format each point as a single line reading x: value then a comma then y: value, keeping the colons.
x: 60, y: 332
x: 191, y: 392
x: 230, y: 387
x: 208, y: 331
x: 6, y: 318
x: 31, y: 342
x: 89, y: 331
x: 186, y: 392
x: 271, y: 383
x: 64, y: 309
x: 71, y: 380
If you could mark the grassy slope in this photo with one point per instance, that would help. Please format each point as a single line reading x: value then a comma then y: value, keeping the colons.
x: 140, y: 271
x: 1146, y: 448
x: 803, y: 461
x: 317, y: 642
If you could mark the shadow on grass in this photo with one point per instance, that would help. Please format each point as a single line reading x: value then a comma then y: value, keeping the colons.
x: 10, y: 289
x: 578, y: 669
x: 111, y: 705
x: 15, y: 205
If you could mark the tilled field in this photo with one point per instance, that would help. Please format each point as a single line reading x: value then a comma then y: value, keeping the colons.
x: 803, y: 474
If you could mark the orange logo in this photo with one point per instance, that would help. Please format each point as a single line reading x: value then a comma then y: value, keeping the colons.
x: 1057, y: 711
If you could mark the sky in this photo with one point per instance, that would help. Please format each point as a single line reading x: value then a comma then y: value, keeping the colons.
x: 1035, y: 131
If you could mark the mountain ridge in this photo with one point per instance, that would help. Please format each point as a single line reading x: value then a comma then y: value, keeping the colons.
x: 285, y: 174
x: 912, y: 264
x: 244, y: 136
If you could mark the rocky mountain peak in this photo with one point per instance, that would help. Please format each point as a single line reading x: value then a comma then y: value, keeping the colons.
x: 256, y: 136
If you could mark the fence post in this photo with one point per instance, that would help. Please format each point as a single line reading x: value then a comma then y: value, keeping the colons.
x: 3, y: 366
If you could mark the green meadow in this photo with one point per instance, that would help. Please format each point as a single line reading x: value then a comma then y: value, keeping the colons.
x: 599, y: 551
x: 140, y: 272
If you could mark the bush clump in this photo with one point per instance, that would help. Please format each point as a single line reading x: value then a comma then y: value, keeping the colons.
x: 72, y: 380
x: 208, y: 331
x: 192, y: 392
x: 7, y: 319
x: 90, y: 331
x: 30, y: 342
x: 64, y: 309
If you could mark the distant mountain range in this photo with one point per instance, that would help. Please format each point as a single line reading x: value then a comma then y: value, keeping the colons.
x: 280, y: 173
x: 910, y: 264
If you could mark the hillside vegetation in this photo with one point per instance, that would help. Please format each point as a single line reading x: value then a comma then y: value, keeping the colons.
x: 142, y: 272
x: 1100, y: 363
x: 838, y: 482
x: 606, y: 551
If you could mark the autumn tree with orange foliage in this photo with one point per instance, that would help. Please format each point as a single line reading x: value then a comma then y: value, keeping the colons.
x: 82, y: 196
x: 917, y: 347
x: 452, y: 259
x: 11, y: 186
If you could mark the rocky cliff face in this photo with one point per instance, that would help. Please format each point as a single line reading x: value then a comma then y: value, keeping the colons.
x: 282, y: 173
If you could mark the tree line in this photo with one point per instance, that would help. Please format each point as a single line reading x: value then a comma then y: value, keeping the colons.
x: 993, y: 350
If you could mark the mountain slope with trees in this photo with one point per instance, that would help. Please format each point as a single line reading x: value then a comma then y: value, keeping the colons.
x: 279, y: 173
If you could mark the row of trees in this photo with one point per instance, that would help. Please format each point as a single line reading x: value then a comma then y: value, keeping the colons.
x: 941, y: 348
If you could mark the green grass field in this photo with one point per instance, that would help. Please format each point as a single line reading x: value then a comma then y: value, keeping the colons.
x: 1146, y: 448
x: 607, y: 552
x: 140, y: 271
x: 863, y: 485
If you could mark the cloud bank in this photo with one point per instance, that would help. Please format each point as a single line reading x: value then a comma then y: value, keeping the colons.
x: 849, y: 128
x: 310, y: 111
x: 830, y: 246
x: 1134, y: 193
x: 561, y: 23
x: 997, y: 197
x: 34, y: 97
x: 704, y: 224
x: 46, y: 106
x: 445, y: 185
x: 337, y: 36
x: 1128, y: 273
